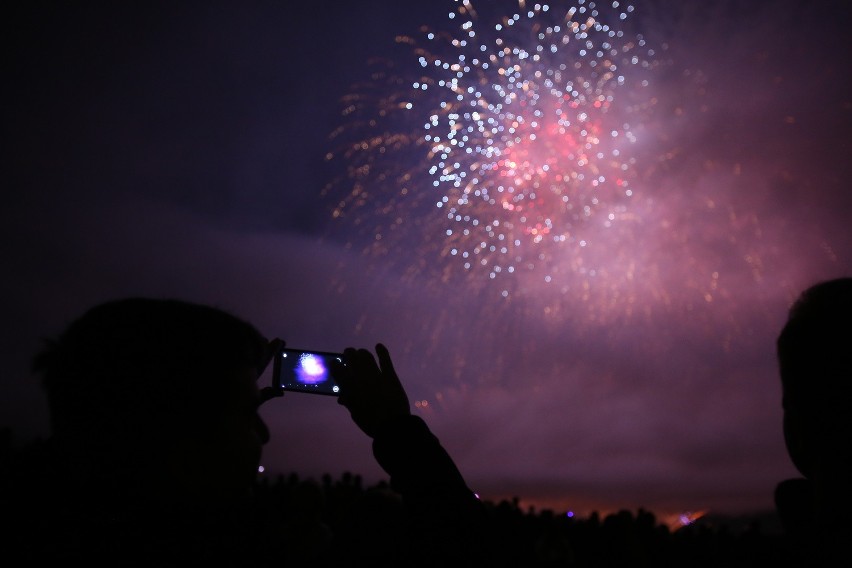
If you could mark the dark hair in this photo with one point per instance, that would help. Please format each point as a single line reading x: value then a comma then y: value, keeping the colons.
x: 125, y: 361
x: 815, y: 348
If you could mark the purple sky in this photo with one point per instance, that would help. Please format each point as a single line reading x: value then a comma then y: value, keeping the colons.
x: 180, y: 152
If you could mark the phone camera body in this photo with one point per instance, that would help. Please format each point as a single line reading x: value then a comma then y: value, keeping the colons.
x: 301, y: 370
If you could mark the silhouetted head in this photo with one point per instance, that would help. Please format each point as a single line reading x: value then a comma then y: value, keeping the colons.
x: 159, y: 389
x: 815, y: 360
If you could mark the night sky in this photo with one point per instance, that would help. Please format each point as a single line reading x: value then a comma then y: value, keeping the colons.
x: 186, y: 151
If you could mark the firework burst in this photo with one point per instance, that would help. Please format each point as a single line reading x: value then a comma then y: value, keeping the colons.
x: 511, y: 155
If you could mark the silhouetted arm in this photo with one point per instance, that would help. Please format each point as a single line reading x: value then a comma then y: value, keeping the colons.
x: 446, y: 517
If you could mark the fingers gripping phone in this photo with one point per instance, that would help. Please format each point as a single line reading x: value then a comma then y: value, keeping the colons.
x: 300, y: 370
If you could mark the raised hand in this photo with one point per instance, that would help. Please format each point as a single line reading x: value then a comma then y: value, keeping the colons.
x: 370, y: 390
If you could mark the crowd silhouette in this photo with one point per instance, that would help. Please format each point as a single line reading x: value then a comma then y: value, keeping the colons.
x: 340, y: 521
x: 156, y: 440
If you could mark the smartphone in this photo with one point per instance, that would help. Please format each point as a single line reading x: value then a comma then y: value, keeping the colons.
x: 300, y: 370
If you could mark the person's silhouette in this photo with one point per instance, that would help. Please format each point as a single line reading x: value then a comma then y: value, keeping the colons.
x: 815, y: 361
x: 156, y: 441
